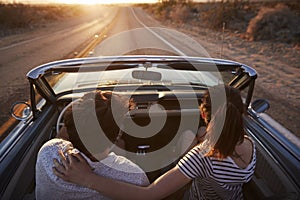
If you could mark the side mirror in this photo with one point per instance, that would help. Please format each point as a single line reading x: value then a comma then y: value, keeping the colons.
x: 21, y: 111
x: 260, y: 105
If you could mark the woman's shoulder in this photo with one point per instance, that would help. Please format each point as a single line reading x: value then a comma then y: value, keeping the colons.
x: 252, y: 144
x: 244, y: 154
x: 198, y: 155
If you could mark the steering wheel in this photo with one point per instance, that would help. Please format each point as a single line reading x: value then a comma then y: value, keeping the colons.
x: 59, y: 122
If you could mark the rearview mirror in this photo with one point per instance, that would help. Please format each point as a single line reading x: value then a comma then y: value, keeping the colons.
x: 260, y: 105
x: 146, y: 75
x: 21, y: 111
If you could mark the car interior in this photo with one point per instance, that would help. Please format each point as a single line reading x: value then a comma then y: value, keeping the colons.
x: 269, y: 181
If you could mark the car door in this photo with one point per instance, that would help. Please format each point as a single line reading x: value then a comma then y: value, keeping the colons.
x: 277, y: 173
x: 18, y: 152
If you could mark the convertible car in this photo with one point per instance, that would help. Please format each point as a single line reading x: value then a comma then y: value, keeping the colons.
x: 167, y: 91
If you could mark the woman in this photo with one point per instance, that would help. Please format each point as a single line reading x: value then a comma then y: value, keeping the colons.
x: 218, y: 167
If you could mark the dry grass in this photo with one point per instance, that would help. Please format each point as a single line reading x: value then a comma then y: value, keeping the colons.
x: 181, y: 13
x: 278, y: 23
x: 20, y: 17
x: 218, y: 14
x: 212, y: 15
x: 255, y: 21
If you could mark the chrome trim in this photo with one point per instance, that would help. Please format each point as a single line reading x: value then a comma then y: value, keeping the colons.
x: 42, y: 69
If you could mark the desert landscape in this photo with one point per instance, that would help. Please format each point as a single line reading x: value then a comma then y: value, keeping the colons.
x: 265, y: 36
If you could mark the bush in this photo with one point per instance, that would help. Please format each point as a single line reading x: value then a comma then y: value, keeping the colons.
x: 278, y: 23
x: 180, y: 13
x: 21, y: 16
x: 162, y: 10
x: 220, y: 13
x: 13, y: 15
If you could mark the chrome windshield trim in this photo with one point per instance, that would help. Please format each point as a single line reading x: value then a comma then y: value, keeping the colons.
x: 129, y: 61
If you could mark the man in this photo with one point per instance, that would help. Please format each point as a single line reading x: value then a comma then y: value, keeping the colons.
x: 94, y: 141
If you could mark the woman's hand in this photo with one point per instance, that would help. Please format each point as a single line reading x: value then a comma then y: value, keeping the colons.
x: 73, y: 168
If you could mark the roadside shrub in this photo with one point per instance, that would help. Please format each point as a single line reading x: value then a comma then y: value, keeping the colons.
x: 15, y: 17
x: 218, y: 13
x: 278, y: 23
x: 162, y: 10
x: 180, y: 13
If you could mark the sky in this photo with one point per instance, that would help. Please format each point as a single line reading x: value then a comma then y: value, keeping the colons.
x: 79, y: 1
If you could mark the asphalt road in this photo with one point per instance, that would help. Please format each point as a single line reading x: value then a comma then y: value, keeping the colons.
x: 135, y: 33
x: 130, y: 31
x: 130, y: 34
x: 20, y: 53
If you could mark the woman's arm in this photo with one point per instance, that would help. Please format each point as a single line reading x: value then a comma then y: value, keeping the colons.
x: 78, y: 171
x: 201, y: 134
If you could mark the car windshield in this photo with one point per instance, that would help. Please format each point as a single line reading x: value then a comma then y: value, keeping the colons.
x: 68, y: 81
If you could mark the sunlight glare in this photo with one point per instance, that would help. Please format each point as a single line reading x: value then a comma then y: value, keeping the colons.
x: 80, y: 1
x: 87, y: 2
x: 104, y: 1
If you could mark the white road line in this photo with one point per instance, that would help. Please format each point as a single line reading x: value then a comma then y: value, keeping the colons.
x: 166, y: 42
x: 69, y: 29
x: 20, y: 43
x: 158, y: 36
x: 266, y: 117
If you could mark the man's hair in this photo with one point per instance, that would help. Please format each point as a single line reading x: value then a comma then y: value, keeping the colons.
x: 92, y: 122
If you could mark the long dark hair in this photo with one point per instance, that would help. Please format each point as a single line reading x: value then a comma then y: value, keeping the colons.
x: 232, y: 132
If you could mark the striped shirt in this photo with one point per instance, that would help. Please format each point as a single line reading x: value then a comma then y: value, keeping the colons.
x: 214, y: 178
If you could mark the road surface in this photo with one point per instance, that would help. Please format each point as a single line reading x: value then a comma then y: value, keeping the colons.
x: 130, y: 31
x: 130, y: 35
x: 20, y: 53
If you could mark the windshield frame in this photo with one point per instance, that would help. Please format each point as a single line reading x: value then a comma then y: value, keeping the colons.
x: 245, y: 75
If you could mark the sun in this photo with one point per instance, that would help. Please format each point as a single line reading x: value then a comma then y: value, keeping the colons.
x: 80, y: 1
x: 104, y: 1
x: 89, y: 2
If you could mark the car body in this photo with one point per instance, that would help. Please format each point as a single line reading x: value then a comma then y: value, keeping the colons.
x: 165, y: 88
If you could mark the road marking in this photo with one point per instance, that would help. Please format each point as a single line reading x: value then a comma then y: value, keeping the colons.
x: 83, y: 53
x: 20, y: 43
x: 97, y: 40
x: 158, y: 36
x: 266, y: 117
x: 69, y: 29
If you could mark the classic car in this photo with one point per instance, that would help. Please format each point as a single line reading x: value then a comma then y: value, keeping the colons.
x: 167, y: 90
